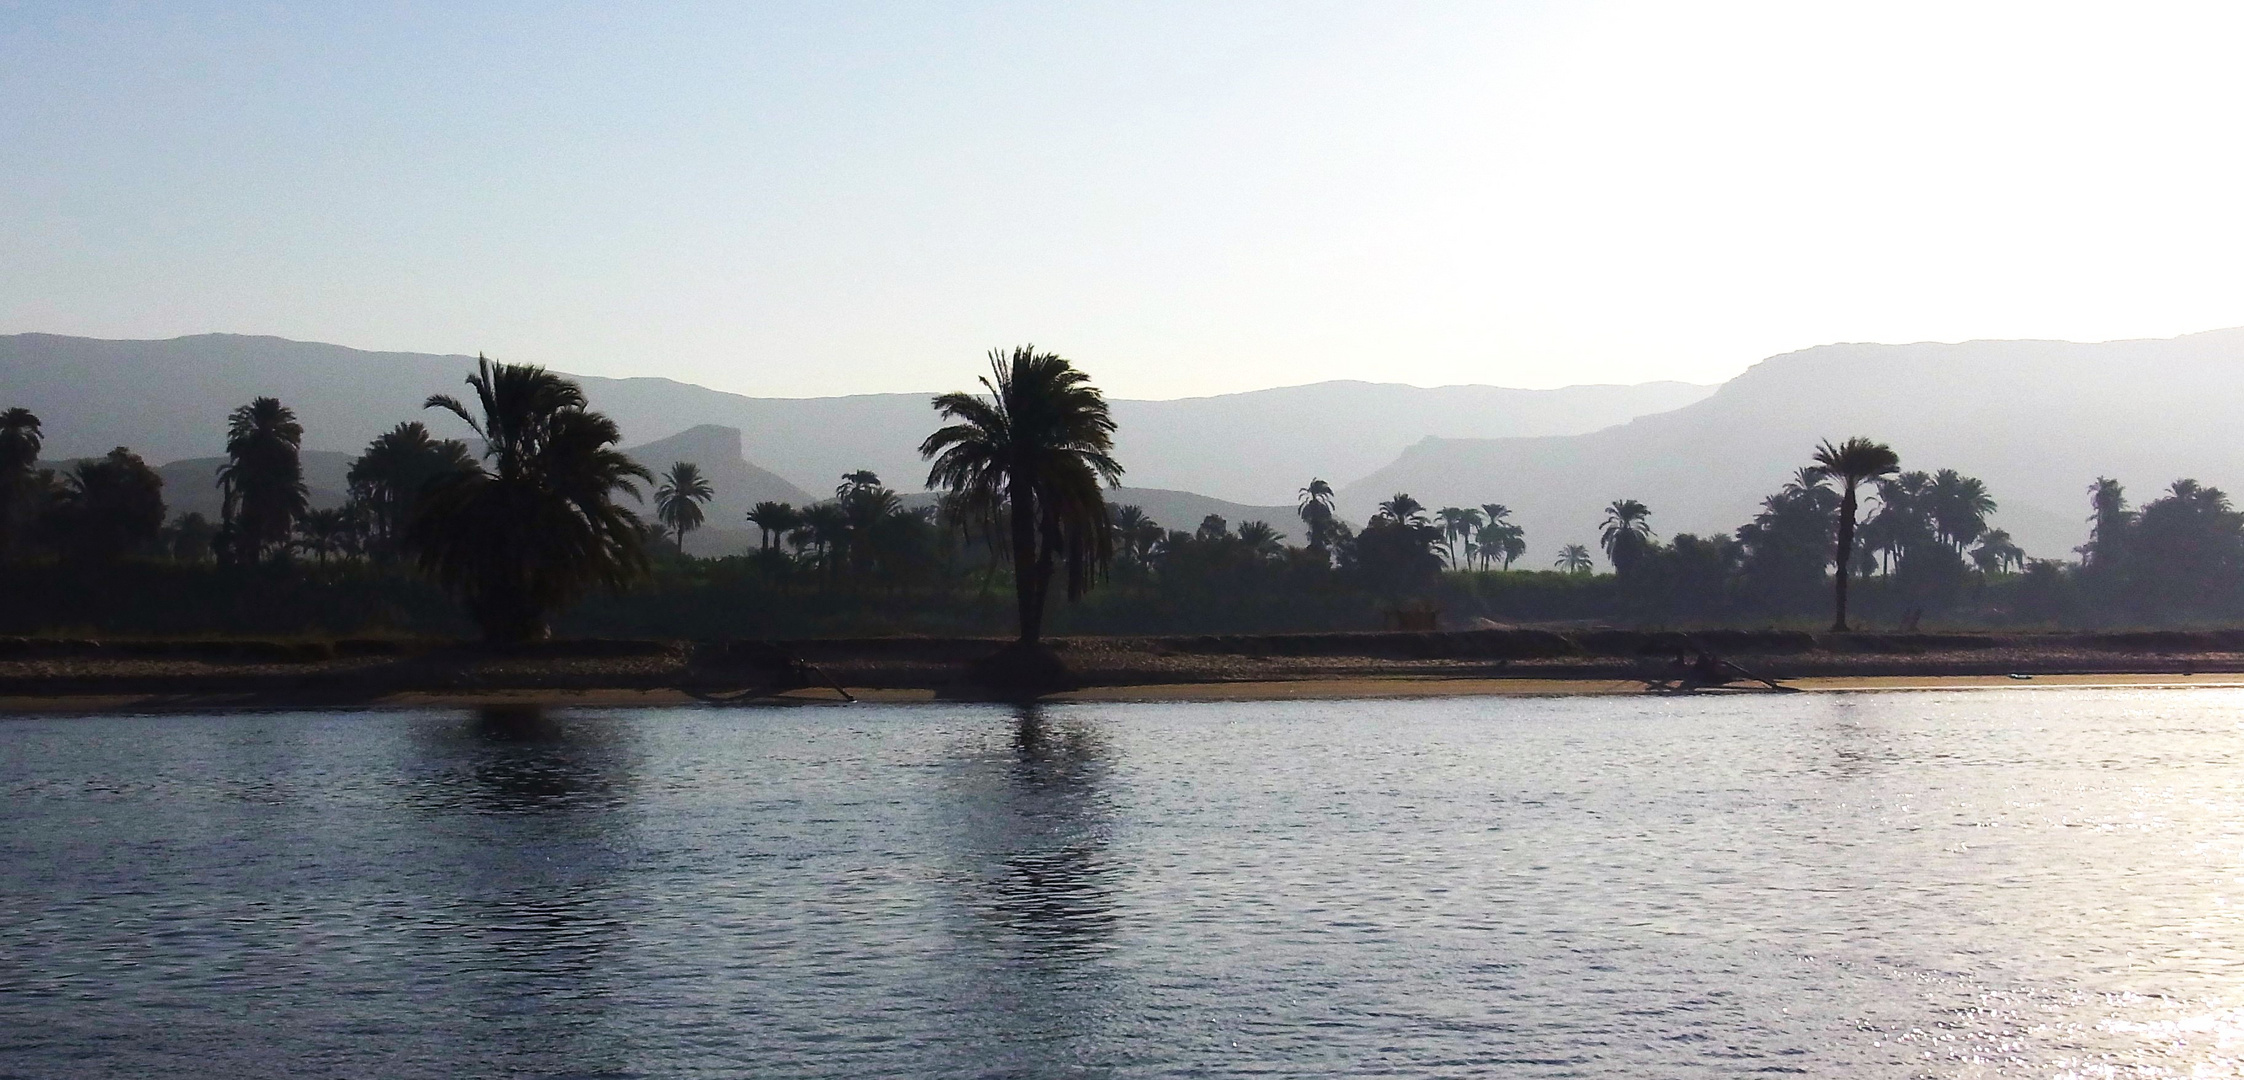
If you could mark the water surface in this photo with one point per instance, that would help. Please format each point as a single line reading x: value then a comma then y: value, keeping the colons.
x: 1992, y: 883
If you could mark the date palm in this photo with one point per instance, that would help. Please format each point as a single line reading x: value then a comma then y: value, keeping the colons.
x: 1404, y: 509
x: 19, y: 452
x: 1260, y: 539
x: 773, y: 519
x: 1627, y: 533
x: 678, y: 500
x: 535, y: 525
x: 1039, y: 444
x: 1849, y: 464
x: 262, y: 479
x: 1315, y: 509
x: 1574, y: 559
x: 387, y: 480
x: 1458, y: 523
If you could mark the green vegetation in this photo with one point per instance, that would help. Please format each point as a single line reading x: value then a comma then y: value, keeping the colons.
x: 532, y: 533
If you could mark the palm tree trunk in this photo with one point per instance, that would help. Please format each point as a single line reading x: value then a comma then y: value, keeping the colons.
x: 1845, y: 556
x: 1021, y: 496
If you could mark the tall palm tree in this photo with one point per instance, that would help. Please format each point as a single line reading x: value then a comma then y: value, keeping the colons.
x: 1041, y: 442
x: 1315, y: 509
x: 263, y: 478
x: 678, y: 500
x: 773, y: 519
x: 20, y: 441
x: 535, y: 524
x: 1457, y: 524
x: 1575, y: 559
x: 1850, y: 463
x: 1494, y: 518
x: 2108, y: 521
x: 1627, y: 533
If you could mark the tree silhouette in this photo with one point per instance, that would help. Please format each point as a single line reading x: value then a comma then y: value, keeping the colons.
x: 1575, y: 559
x: 1315, y: 509
x: 1850, y: 463
x: 109, y: 507
x: 1402, y: 508
x: 773, y: 519
x: 388, y: 478
x: 535, y: 525
x: 1261, y: 540
x: 1040, y: 444
x: 1457, y: 524
x: 678, y: 500
x: 262, y: 479
x: 1626, y: 534
x: 20, y: 441
x: 2109, y: 520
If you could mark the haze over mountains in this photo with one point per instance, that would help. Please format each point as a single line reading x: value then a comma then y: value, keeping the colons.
x: 2037, y: 420
x: 169, y: 400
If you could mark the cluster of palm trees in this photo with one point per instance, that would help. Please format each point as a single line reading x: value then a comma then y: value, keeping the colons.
x: 534, y: 517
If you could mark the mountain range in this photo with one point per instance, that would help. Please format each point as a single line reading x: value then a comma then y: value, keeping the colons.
x: 2037, y: 420
x: 169, y: 399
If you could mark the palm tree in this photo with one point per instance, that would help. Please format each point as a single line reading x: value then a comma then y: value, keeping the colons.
x: 1316, y: 511
x: 1997, y: 552
x: 1495, y: 517
x: 1575, y: 559
x: 1850, y: 463
x: 773, y: 519
x: 1960, y: 505
x: 825, y: 526
x: 1457, y: 523
x: 678, y: 500
x: 1402, y: 508
x: 1041, y: 442
x: 388, y: 478
x: 2107, y: 523
x: 1129, y: 524
x: 534, y: 525
x: 1260, y: 539
x: 20, y: 441
x: 327, y: 532
x: 263, y: 478
x: 1626, y: 534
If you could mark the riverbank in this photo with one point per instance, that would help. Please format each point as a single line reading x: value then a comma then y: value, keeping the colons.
x: 80, y: 675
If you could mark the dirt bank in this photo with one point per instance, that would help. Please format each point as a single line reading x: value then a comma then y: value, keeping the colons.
x: 117, y: 675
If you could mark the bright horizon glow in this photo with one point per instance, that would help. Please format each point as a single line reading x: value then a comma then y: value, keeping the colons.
x: 1185, y: 199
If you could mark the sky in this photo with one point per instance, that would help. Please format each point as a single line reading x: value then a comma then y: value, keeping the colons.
x: 1184, y: 198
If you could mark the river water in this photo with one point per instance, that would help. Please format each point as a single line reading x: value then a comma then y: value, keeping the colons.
x: 1993, y: 883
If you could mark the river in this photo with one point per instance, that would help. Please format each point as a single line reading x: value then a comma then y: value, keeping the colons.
x: 2027, y: 882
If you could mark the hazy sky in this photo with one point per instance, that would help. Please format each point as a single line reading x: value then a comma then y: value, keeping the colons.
x: 1185, y: 198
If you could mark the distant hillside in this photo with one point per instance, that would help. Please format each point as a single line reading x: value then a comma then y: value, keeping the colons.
x: 2037, y: 420
x: 169, y: 400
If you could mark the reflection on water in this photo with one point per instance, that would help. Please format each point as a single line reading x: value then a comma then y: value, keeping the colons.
x: 2009, y: 883
x: 522, y: 813
x: 1050, y: 883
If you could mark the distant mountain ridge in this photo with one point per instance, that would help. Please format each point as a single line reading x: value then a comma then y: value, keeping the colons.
x: 168, y: 400
x: 2037, y: 420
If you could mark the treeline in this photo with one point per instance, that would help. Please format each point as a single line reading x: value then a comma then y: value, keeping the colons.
x: 534, y: 529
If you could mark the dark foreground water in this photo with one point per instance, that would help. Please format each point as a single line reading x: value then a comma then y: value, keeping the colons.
x: 2012, y: 883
